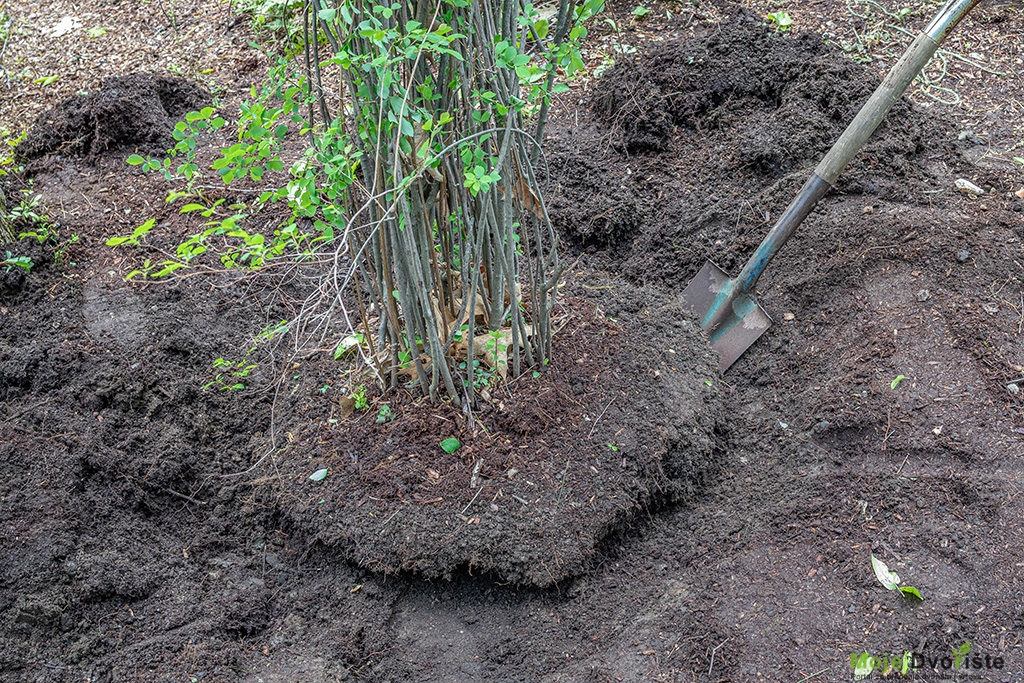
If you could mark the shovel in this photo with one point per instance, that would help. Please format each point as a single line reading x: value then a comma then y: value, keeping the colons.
x: 727, y: 308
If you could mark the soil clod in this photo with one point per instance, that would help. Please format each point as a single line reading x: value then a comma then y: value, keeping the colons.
x: 136, y: 110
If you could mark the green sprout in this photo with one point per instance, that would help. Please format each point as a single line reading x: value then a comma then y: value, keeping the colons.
x: 781, y: 20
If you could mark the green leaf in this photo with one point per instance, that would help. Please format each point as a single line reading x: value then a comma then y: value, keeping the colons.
x: 23, y: 262
x: 144, y: 229
x: 46, y: 80
x: 327, y: 14
x: 541, y: 27
x: 135, y: 160
x: 887, y: 578
x: 450, y: 445
x: 347, y: 345
x: 782, y: 20
x: 910, y: 591
x: 319, y: 475
x: 896, y: 382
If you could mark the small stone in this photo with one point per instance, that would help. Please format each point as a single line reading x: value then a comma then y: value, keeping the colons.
x: 868, y: 210
x: 967, y: 187
x: 1013, y: 388
x: 963, y: 255
x: 923, y: 295
x: 969, y: 136
x: 821, y: 426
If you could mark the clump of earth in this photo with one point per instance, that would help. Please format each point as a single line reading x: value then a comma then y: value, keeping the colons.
x: 135, y: 110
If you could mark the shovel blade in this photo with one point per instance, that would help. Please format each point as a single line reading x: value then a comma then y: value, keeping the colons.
x: 733, y: 325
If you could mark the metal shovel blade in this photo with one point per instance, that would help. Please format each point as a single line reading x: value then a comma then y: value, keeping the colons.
x: 733, y: 325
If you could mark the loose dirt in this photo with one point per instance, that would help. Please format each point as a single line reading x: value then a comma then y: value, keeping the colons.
x: 156, y: 531
x: 137, y: 111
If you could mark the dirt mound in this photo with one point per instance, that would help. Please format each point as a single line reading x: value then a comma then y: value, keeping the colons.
x: 627, y: 416
x: 752, y: 111
x: 786, y: 98
x: 894, y: 247
x: 127, y: 111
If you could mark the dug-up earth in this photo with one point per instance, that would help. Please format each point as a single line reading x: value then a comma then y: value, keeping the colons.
x: 628, y: 515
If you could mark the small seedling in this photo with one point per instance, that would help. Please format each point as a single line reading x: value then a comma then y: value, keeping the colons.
x: 896, y: 382
x: 60, y: 254
x: 12, y: 261
x: 781, y: 20
x: 132, y: 240
x: 270, y: 331
x: 359, y: 396
x: 97, y: 32
x: 385, y: 414
x: 640, y: 11
x: 481, y: 375
x: 29, y: 211
x: 46, y: 80
x: 324, y: 389
x: 228, y: 373
x: 612, y: 447
x: 450, y: 445
x: 891, y: 579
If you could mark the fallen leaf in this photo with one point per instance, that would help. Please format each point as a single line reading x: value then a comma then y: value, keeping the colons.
x: 63, y: 27
x: 347, y: 405
x: 887, y: 578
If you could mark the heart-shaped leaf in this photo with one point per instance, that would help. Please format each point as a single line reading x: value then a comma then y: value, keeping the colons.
x: 889, y: 579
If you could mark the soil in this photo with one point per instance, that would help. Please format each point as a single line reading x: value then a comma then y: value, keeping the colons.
x: 137, y: 111
x: 156, y: 531
x: 546, y: 469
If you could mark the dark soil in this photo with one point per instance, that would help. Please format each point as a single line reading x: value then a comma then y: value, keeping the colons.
x: 155, y: 531
x: 137, y: 110
x: 628, y: 419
